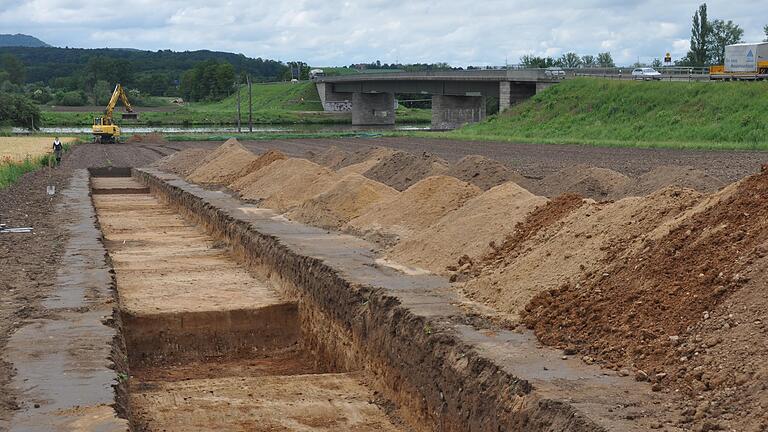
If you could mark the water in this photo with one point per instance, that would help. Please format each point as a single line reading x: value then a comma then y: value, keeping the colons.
x: 179, y: 129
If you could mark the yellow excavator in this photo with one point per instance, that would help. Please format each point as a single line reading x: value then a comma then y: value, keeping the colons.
x: 104, y: 128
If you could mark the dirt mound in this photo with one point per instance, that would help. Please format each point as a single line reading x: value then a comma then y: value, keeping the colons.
x: 401, y: 170
x: 287, y: 183
x: 359, y: 163
x: 483, y: 172
x: 260, y: 162
x: 653, y: 307
x: 544, y: 256
x: 182, y: 162
x: 670, y: 175
x: 150, y: 138
x: 344, y: 201
x: 416, y: 208
x: 223, y: 165
x: 483, y: 220
x: 596, y: 183
x: 331, y: 157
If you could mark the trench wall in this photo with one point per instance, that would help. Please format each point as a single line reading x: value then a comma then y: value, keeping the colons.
x: 409, y: 343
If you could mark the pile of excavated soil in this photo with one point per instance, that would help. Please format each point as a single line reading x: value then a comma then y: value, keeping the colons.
x: 567, y: 249
x: 671, y: 175
x: 415, y: 209
x: 401, y: 170
x: 150, y: 138
x: 483, y: 172
x: 687, y: 307
x: 332, y: 157
x: 287, y: 183
x: 344, y: 201
x: 182, y: 162
x: 596, y: 183
x: 224, y: 165
x: 479, y: 224
x: 260, y: 162
x: 361, y: 161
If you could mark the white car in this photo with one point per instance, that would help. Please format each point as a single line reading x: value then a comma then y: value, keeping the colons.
x: 554, y: 72
x: 646, y: 74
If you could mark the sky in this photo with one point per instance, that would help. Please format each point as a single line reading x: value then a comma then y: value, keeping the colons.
x: 334, y: 33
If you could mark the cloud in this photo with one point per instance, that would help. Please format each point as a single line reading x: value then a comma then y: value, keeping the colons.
x: 459, y: 32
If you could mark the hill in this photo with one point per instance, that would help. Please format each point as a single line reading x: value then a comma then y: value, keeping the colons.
x: 49, y: 63
x: 629, y: 113
x: 21, y: 40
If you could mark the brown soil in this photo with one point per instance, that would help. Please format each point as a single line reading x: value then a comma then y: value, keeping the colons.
x: 153, y: 138
x: 344, y: 201
x: 484, y: 173
x: 401, y: 170
x: 667, y: 175
x: 486, y: 219
x: 260, y: 162
x: 286, y: 183
x: 370, y: 158
x: 416, y: 208
x: 596, y: 183
x: 575, y: 245
x: 224, y: 165
x: 647, y: 308
x: 184, y: 162
x: 332, y: 158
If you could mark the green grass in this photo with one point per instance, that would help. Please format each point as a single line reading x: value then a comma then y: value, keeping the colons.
x: 273, y: 104
x: 703, y: 115
x: 11, y: 171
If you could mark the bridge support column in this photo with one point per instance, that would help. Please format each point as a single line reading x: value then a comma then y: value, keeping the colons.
x: 451, y: 112
x: 373, y: 109
x: 512, y: 93
x: 332, y: 101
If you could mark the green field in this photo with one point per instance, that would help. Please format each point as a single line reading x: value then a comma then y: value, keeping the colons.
x: 707, y: 115
x: 273, y: 103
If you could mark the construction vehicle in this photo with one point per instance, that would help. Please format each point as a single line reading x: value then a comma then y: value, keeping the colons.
x: 104, y: 128
x: 744, y: 61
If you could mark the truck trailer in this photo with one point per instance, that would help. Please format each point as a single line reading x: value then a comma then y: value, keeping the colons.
x: 744, y: 61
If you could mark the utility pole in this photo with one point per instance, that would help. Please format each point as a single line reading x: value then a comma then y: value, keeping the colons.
x: 238, y: 105
x: 250, y: 104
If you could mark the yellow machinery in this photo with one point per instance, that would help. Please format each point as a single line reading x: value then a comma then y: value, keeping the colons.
x: 104, y: 128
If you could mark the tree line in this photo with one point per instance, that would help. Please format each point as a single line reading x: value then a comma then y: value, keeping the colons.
x: 710, y: 37
x: 569, y: 60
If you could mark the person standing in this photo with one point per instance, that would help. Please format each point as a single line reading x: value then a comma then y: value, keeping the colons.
x: 58, y: 148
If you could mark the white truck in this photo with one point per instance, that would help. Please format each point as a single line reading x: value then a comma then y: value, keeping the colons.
x: 744, y: 61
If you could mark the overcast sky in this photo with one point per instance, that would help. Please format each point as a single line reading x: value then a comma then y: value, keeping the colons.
x: 326, y: 33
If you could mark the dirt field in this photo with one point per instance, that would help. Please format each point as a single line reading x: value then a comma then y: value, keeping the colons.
x: 30, y: 261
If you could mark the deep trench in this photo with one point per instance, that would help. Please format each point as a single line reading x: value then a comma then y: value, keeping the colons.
x: 210, y: 344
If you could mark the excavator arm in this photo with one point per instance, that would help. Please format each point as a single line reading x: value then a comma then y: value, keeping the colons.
x: 118, y: 94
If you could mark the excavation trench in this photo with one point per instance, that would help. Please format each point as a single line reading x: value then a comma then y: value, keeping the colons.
x: 234, y: 318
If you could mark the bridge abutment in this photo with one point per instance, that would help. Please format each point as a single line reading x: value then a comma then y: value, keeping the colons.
x: 451, y: 112
x: 333, y: 101
x: 373, y: 109
x: 512, y: 93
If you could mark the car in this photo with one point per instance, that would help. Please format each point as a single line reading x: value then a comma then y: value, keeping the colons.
x: 555, y: 72
x: 646, y: 74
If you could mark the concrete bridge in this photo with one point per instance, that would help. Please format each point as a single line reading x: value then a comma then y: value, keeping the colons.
x: 458, y: 97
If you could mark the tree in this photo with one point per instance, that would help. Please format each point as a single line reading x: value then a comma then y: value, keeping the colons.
x: 17, y: 110
x: 14, y: 68
x: 208, y: 80
x: 102, y: 92
x: 570, y: 60
x: 605, y: 60
x: 588, y: 61
x: 765, y: 29
x: 531, y: 61
x: 698, y: 55
x: 656, y: 63
x: 722, y: 33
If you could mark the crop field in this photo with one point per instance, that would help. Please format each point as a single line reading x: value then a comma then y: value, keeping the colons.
x: 17, y: 149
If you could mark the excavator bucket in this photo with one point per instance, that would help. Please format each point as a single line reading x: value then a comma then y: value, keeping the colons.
x: 130, y: 116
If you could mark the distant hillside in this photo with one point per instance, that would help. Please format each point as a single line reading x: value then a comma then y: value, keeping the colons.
x: 47, y: 64
x: 21, y: 40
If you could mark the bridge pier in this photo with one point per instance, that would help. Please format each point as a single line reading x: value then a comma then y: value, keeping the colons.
x: 451, y: 112
x: 512, y: 93
x: 373, y: 109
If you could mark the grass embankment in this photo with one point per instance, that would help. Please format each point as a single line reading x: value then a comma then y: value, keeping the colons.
x: 273, y: 103
x: 704, y: 115
x: 19, y: 156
